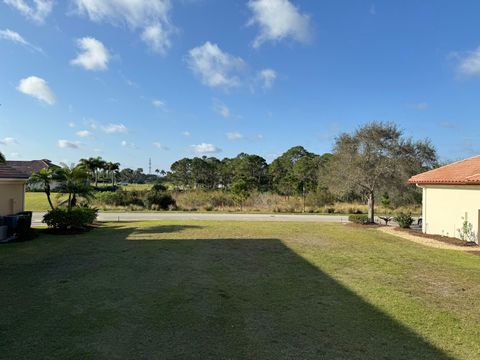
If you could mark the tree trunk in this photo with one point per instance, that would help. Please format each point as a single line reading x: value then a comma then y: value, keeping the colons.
x: 50, y: 201
x: 47, y: 192
x: 371, y: 207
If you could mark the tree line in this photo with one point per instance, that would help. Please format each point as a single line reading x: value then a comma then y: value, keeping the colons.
x: 375, y: 159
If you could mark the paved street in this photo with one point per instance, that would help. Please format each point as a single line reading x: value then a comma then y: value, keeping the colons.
x: 135, y: 216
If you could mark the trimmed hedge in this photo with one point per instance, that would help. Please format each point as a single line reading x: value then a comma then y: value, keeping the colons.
x: 359, y: 218
x: 76, y: 219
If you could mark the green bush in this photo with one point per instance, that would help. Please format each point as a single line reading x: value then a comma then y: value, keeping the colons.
x: 160, y: 200
x: 76, y: 219
x: 359, y: 218
x: 121, y: 198
x: 404, y: 220
x: 159, y: 187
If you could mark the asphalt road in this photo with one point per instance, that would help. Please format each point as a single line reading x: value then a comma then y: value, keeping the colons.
x: 139, y: 216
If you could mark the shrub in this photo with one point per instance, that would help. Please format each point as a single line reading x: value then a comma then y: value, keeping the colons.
x: 109, y: 188
x: 76, y: 219
x: 359, y: 218
x: 159, y: 200
x: 466, y: 233
x: 404, y: 220
x: 159, y: 187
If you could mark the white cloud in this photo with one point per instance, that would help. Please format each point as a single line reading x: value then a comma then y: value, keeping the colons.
x: 38, y: 88
x: 8, y: 141
x: 469, y: 63
x: 66, y: 144
x: 421, y: 106
x: 159, y: 104
x: 157, y: 38
x: 16, y: 38
x: 128, y: 145
x: 152, y: 17
x: 84, y: 133
x: 268, y: 77
x: 234, y: 136
x: 278, y: 19
x: 214, y: 67
x: 36, y: 10
x: 115, y: 128
x: 15, y: 155
x: 160, y: 146
x: 204, y: 148
x: 93, y: 56
x: 221, y: 109
x: 71, y: 124
x: 186, y: 133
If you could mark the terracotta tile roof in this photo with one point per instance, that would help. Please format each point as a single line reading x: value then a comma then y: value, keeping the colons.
x: 465, y: 172
x: 28, y: 167
x: 8, y: 172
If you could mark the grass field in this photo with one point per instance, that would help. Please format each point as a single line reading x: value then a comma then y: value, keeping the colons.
x: 236, y: 290
x: 37, y: 201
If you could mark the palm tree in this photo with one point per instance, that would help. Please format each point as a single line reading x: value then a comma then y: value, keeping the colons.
x: 44, y: 177
x: 74, y: 182
x: 92, y: 165
x: 112, y: 168
x: 2, y: 158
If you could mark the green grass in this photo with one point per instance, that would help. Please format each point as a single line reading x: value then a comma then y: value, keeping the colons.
x: 37, y: 201
x: 236, y: 290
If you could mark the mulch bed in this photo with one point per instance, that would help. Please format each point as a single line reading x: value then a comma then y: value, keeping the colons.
x: 444, y: 239
x: 364, y: 226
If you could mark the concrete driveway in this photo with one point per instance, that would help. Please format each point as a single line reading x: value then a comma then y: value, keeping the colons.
x: 140, y: 216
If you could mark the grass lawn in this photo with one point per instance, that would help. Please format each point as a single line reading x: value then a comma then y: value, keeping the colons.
x: 37, y: 201
x: 236, y: 290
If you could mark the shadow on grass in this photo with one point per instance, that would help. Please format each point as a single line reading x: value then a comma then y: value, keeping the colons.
x: 206, y: 299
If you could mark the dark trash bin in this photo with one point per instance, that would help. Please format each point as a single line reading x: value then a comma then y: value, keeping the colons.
x: 28, y: 215
x: 12, y: 223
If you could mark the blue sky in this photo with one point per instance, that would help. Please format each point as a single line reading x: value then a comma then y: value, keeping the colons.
x: 129, y: 80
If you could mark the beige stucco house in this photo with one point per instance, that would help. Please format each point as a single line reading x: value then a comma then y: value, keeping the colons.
x: 451, y: 196
x: 12, y: 190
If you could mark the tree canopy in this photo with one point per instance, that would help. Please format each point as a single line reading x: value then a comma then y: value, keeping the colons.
x: 376, y: 158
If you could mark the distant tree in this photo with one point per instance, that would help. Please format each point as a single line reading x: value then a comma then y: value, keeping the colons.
x: 377, y: 157
x: 45, y: 177
x: 93, y: 166
x: 226, y: 173
x: 74, y: 182
x: 182, y: 172
x: 295, y: 171
x: 240, y: 191
x: 253, y: 169
x: 112, y: 168
x: 2, y: 158
x: 126, y: 175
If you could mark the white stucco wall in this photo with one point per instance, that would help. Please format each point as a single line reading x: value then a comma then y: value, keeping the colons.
x: 12, y: 196
x: 446, y: 206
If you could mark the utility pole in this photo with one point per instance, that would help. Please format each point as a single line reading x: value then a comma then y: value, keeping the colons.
x: 149, y: 166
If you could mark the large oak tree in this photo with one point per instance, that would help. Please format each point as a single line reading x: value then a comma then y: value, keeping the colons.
x: 375, y: 158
